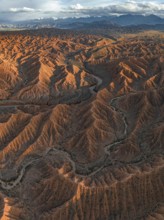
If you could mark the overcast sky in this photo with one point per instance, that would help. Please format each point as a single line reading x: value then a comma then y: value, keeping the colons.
x: 30, y: 9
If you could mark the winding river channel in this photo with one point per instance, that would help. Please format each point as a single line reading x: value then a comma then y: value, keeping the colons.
x: 10, y: 184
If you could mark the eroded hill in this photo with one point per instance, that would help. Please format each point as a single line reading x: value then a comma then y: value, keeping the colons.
x: 81, y: 127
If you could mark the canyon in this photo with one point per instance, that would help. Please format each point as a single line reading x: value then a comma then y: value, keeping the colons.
x: 81, y: 126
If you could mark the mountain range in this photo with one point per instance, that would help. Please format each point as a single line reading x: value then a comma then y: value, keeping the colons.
x: 87, y: 22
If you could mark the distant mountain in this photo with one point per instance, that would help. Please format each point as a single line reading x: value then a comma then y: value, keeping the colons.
x: 129, y: 19
x: 89, y: 25
x: 36, y: 23
x: 105, y: 21
x: 87, y: 22
x: 151, y: 21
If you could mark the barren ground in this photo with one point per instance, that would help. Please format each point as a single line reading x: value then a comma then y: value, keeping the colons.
x: 81, y: 126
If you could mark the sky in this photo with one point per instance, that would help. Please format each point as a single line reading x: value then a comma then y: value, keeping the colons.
x: 15, y: 10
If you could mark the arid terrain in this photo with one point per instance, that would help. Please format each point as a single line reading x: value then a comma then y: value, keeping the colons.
x: 81, y: 126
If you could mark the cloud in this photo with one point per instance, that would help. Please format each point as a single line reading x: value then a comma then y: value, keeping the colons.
x: 77, y: 7
x: 27, y: 9
x: 24, y: 9
x: 51, y: 5
x: 124, y: 8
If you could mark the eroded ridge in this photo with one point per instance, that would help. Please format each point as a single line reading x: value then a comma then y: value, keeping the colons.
x: 81, y: 127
